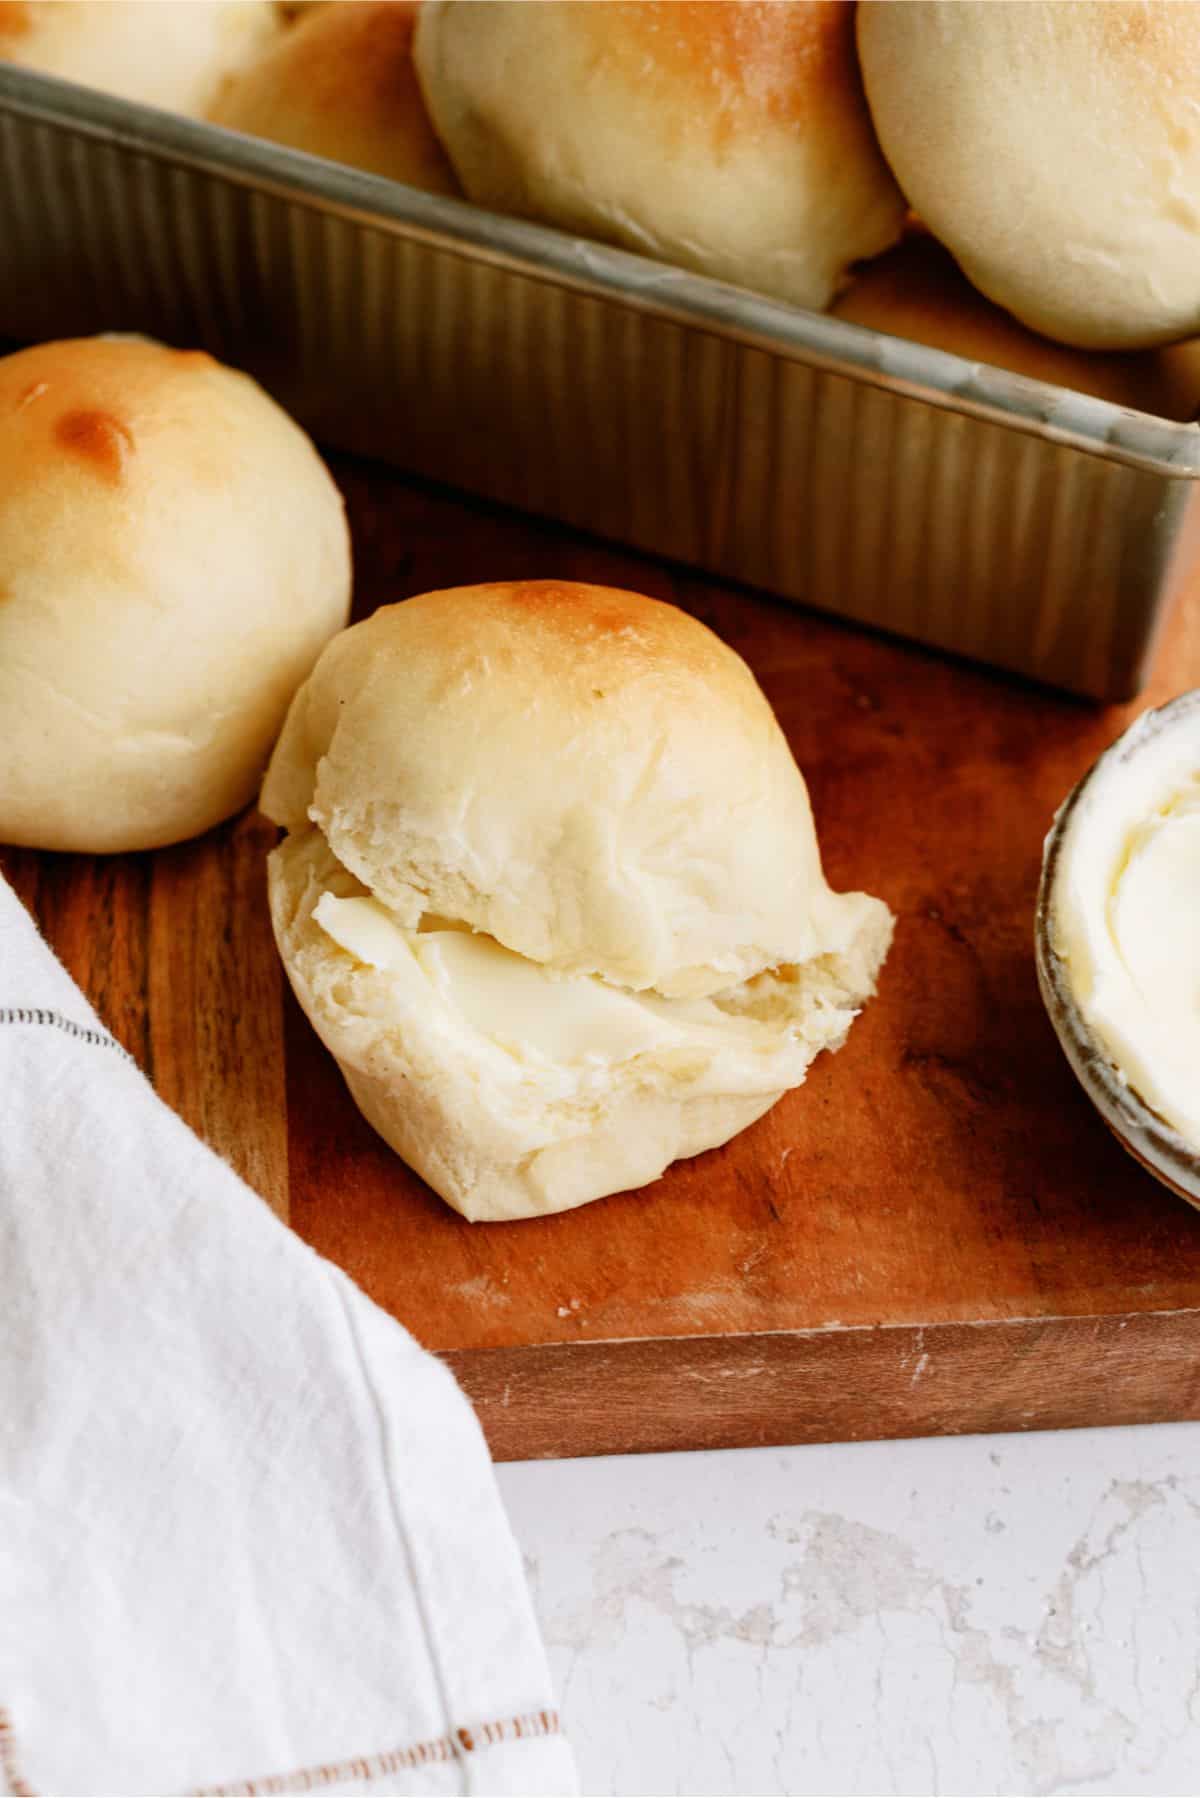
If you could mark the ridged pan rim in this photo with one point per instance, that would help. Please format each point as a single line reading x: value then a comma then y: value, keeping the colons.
x: 1053, y: 414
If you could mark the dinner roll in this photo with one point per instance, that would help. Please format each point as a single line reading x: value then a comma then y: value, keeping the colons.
x: 552, y: 893
x: 728, y: 136
x: 341, y: 84
x: 1054, y: 148
x: 169, y: 53
x: 173, y: 557
x: 917, y: 291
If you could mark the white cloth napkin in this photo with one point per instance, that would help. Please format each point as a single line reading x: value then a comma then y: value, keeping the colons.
x: 250, y: 1541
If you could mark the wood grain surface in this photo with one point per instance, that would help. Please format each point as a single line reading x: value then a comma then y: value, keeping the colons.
x: 935, y: 1234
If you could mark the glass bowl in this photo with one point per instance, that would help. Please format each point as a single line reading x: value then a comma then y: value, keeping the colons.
x: 1136, y: 1125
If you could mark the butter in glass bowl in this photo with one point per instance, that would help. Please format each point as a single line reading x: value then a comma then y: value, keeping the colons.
x: 1118, y: 939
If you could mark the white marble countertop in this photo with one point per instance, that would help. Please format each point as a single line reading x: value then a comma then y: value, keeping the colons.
x: 1011, y: 1614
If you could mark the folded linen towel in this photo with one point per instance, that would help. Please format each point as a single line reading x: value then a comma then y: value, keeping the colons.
x: 250, y: 1540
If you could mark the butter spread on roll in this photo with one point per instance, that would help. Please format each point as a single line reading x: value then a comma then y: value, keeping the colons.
x: 1127, y: 911
x: 551, y: 892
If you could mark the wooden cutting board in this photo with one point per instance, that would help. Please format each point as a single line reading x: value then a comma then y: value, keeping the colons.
x: 935, y: 1234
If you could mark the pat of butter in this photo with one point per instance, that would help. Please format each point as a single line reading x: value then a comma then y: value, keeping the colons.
x: 1154, y: 921
x: 1129, y: 922
x: 499, y: 994
x: 363, y: 928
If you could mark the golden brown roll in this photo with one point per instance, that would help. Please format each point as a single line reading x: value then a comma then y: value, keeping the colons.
x: 917, y: 291
x: 169, y: 53
x: 551, y: 891
x: 173, y: 557
x: 341, y: 84
x: 727, y: 136
x: 1054, y: 149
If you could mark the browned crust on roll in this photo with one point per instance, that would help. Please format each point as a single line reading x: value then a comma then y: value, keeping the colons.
x: 341, y: 84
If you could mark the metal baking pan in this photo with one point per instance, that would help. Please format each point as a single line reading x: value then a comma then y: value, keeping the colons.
x: 993, y: 516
